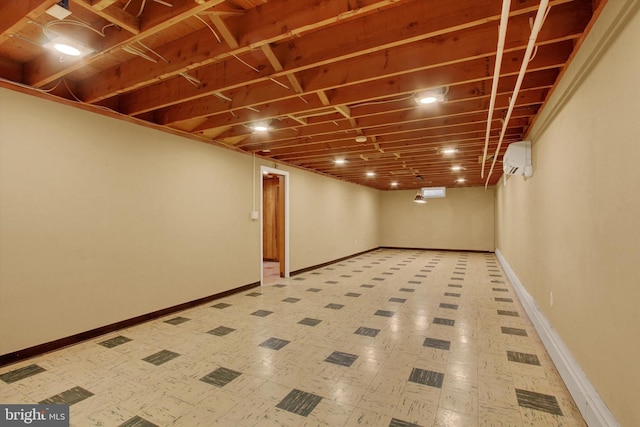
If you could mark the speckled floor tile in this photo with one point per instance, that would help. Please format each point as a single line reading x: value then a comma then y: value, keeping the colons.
x: 387, y: 338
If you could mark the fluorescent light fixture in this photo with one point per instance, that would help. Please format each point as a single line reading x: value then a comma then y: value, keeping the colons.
x: 67, y: 46
x: 449, y: 151
x: 340, y: 161
x: 370, y: 174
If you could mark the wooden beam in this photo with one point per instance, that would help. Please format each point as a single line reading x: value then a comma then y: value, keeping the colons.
x: 224, y: 10
x: 460, y: 46
x: 42, y: 70
x: 307, y: 16
x: 547, y: 57
x: 406, y: 131
x: 295, y: 83
x: 323, y: 98
x: 15, y: 13
x: 344, y: 110
x: 302, y: 121
x: 273, y: 60
x: 102, y: 4
x: 114, y: 15
x: 229, y: 38
x: 277, y: 66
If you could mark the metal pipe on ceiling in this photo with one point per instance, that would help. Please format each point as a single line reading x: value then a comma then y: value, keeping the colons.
x: 537, y: 24
x: 502, y: 35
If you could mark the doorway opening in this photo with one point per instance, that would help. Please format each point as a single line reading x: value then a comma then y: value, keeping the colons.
x: 274, y: 225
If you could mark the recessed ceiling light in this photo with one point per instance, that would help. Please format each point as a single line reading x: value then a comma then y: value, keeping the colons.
x: 265, y: 151
x: 67, y: 46
x: 67, y: 49
x: 260, y: 126
x: 340, y: 161
x: 460, y: 180
x: 429, y: 99
x: 449, y: 151
x: 370, y: 174
x: 361, y: 138
x: 394, y: 184
x: 456, y: 168
x: 430, y: 96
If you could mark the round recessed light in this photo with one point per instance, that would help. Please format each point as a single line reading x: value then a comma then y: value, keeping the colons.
x: 361, y: 138
x: 456, y: 168
x: 260, y: 128
x: 370, y: 174
x: 66, y: 49
x: 449, y: 151
x: 427, y: 100
x: 394, y: 184
x: 460, y: 180
x: 340, y: 161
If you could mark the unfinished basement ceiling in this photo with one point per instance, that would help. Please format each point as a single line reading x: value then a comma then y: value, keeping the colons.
x: 332, y: 79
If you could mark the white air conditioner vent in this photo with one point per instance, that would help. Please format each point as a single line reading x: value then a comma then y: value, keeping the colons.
x: 517, y: 159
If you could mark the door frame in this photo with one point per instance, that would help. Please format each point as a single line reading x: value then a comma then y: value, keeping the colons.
x: 285, y: 174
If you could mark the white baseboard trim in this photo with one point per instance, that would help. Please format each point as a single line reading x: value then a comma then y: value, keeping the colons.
x: 593, y: 409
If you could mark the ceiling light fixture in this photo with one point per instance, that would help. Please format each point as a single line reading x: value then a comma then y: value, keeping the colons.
x: 340, y: 161
x: 461, y: 180
x: 419, y: 198
x: 394, y: 184
x: 430, y: 96
x: 449, y: 151
x: 456, y: 168
x: 260, y: 126
x: 361, y: 138
x: 370, y: 174
x: 67, y: 47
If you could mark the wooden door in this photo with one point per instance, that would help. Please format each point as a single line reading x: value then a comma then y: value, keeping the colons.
x: 280, y: 222
x: 270, y: 249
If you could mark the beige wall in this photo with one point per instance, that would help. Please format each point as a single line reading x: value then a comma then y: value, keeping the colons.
x: 102, y: 220
x: 462, y: 220
x: 572, y: 228
x: 330, y: 219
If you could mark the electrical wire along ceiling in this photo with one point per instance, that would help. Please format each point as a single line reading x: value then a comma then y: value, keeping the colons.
x: 391, y: 94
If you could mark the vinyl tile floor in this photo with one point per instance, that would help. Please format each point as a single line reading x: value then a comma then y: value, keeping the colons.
x: 387, y: 338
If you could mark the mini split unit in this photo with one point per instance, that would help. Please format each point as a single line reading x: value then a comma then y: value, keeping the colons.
x: 517, y: 159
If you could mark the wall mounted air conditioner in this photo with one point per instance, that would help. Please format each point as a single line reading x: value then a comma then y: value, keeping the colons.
x: 517, y: 159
